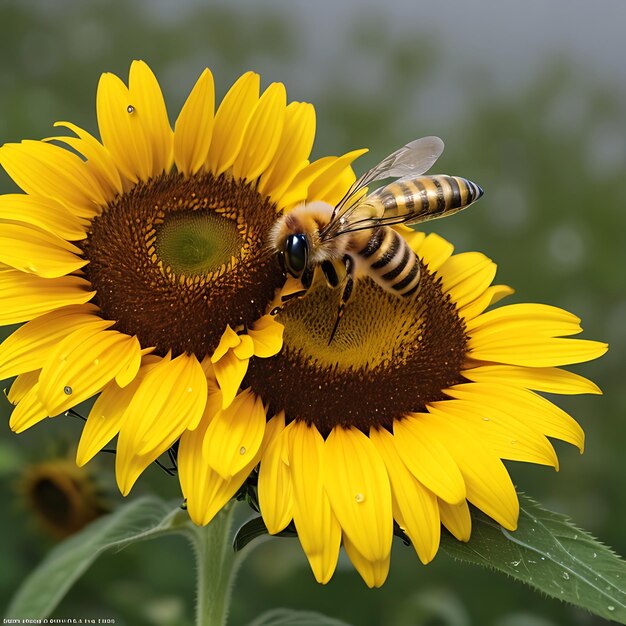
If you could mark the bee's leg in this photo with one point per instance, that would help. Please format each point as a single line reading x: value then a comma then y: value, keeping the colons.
x: 348, y: 287
x: 306, y: 279
x: 330, y: 273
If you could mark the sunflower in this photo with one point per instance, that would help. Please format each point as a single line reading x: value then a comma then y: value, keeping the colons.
x: 141, y: 266
x: 139, y: 261
x: 402, y: 420
x: 63, y: 497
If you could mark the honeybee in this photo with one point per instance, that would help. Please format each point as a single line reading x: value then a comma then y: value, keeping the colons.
x: 357, y: 231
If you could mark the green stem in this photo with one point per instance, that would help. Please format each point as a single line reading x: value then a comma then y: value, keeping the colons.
x: 217, y: 566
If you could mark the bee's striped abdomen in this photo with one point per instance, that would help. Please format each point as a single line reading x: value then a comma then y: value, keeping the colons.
x: 387, y: 258
x: 425, y: 197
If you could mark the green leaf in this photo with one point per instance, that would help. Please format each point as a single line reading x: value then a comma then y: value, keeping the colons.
x: 546, y: 551
x: 46, y: 586
x: 288, y: 617
x: 549, y: 553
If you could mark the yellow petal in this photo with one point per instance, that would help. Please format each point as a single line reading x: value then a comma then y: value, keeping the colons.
x: 235, y: 434
x: 467, y: 276
x: 414, y: 238
x: 317, y: 179
x: 296, y: 193
x: 147, y: 99
x: 28, y: 412
x: 81, y: 365
x: 214, y: 393
x: 194, y: 126
x: 30, y: 249
x: 488, y: 484
x: 526, y: 406
x: 245, y: 349
x: 230, y: 122
x: 490, y: 296
x: 45, y: 213
x: 415, y: 507
x: 357, y: 485
x: 457, y: 519
x: 130, y: 367
x: 321, y: 188
x: 25, y: 296
x: 230, y: 339
x: 374, y: 573
x: 267, y: 336
x: 205, y: 490
x: 100, y: 163
x: 318, y: 529
x: 275, y: 489
x: 262, y: 134
x: 22, y: 385
x: 428, y: 459
x: 549, y: 320
x: 28, y: 347
x: 508, y: 437
x: 539, y: 351
x: 43, y: 169
x: 230, y: 371
x: 435, y: 251
x: 548, y: 379
x: 171, y: 398
x: 334, y: 193
x: 293, y: 150
x: 121, y: 129
x: 104, y: 420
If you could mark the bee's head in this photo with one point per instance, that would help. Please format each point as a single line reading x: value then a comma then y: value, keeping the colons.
x: 295, y: 254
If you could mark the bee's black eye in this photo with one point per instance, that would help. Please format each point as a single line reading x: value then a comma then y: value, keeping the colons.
x: 296, y: 254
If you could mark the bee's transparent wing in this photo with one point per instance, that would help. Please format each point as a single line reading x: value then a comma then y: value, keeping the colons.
x: 414, y: 159
x: 411, y: 160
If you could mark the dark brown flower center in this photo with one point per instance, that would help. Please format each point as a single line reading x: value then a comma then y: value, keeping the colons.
x: 390, y: 356
x: 176, y: 259
x: 63, y: 500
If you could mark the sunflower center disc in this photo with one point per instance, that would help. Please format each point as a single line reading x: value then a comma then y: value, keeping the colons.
x: 390, y: 356
x: 196, y: 243
x: 176, y: 259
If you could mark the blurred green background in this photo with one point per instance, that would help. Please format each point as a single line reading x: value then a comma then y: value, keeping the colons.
x: 531, y: 102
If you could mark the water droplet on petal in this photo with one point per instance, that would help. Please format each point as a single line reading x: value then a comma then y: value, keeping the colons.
x: 485, y: 419
x: 242, y: 450
x: 189, y: 389
x: 130, y: 108
x: 595, y: 554
x: 67, y: 390
x: 96, y: 361
x: 359, y: 498
x: 610, y: 607
x: 565, y: 576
